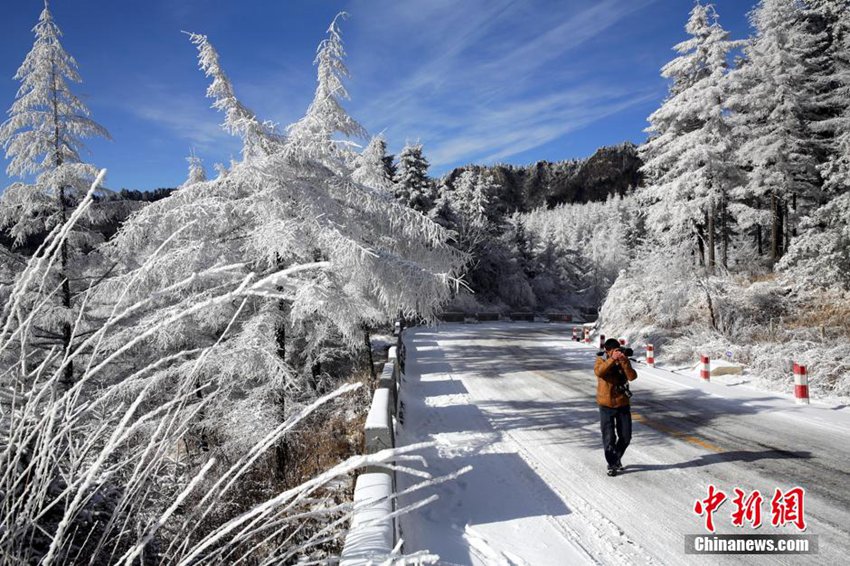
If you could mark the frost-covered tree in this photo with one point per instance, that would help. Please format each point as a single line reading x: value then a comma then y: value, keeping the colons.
x: 442, y: 213
x: 296, y: 258
x: 313, y: 135
x: 771, y: 93
x: 473, y: 199
x: 197, y: 173
x: 43, y: 137
x: 820, y: 254
x: 370, y: 166
x: 259, y: 138
x: 470, y: 199
x: 827, y: 60
x: 412, y: 185
x: 836, y: 170
x: 688, y: 158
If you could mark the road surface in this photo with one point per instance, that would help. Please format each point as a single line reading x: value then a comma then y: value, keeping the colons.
x: 516, y: 401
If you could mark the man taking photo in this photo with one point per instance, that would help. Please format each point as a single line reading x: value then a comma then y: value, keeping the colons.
x: 613, y: 373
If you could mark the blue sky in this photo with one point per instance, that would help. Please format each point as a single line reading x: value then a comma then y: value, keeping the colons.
x: 476, y: 81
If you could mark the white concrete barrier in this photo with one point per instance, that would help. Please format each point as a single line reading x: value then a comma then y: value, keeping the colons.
x: 372, y: 534
x: 379, y: 424
x: 387, y: 381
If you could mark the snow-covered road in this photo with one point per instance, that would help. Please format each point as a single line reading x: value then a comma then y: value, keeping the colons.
x: 516, y: 402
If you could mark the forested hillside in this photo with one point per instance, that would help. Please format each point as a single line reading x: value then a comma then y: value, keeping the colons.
x: 184, y: 373
x: 610, y: 171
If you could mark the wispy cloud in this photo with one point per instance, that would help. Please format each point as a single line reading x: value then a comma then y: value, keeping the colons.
x: 184, y: 115
x: 491, y: 135
x: 486, y: 80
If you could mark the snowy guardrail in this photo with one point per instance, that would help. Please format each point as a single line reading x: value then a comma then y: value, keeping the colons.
x: 373, y: 533
x: 514, y: 316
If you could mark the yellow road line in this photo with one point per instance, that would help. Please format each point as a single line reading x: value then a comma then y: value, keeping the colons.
x: 661, y: 427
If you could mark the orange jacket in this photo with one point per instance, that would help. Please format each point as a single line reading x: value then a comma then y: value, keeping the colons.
x: 610, y: 373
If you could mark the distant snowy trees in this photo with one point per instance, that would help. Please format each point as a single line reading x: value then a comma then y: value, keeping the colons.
x: 577, y: 251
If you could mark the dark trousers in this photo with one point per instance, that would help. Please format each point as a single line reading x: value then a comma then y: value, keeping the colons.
x: 616, y: 432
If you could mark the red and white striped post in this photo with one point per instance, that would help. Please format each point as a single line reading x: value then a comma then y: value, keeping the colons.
x: 801, y: 384
x: 623, y: 341
x: 705, y: 371
x: 650, y: 355
x: 586, y: 335
x: 601, y: 341
x: 575, y: 333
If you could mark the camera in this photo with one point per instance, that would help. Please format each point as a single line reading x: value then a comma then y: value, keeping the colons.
x: 628, y: 352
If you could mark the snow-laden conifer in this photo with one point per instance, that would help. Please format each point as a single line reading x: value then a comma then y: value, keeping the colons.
x: 47, y: 121
x: 313, y: 135
x: 411, y: 184
x: 197, y: 173
x: 258, y: 138
x: 771, y: 93
x: 688, y: 157
x: 824, y: 30
x: 473, y: 197
x: 312, y: 255
x: 370, y: 166
x: 836, y: 170
x: 820, y: 254
x: 43, y: 137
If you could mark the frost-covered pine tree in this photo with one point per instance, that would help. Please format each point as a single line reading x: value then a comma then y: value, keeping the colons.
x: 824, y: 29
x: 313, y: 135
x: 443, y: 213
x: 276, y: 268
x: 370, y: 166
x: 688, y: 158
x: 197, y: 173
x: 411, y: 184
x: 43, y: 137
x: 473, y: 197
x: 771, y: 94
x: 259, y: 138
x: 820, y: 254
x: 836, y: 170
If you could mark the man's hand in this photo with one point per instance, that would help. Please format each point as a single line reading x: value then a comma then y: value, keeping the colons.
x: 617, y: 355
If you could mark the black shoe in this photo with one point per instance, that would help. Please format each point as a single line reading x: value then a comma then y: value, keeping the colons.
x: 612, y: 472
x: 618, y: 466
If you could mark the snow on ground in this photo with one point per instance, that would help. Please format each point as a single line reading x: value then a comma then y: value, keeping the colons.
x: 516, y: 402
